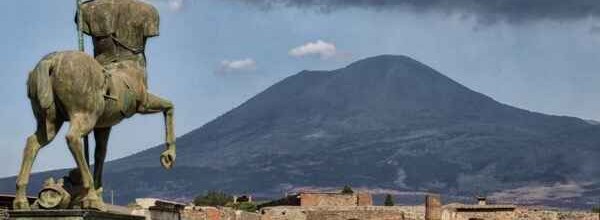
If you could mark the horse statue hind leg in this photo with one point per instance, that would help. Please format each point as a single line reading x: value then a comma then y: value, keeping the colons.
x: 56, y: 98
x: 49, y: 122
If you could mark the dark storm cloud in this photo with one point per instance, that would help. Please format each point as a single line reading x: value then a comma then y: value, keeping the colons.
x: 512, y: 11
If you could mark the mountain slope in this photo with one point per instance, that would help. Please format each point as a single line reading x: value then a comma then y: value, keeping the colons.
x: 385, y: 122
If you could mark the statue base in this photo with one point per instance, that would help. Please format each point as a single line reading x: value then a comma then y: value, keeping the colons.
x: 69, y: 215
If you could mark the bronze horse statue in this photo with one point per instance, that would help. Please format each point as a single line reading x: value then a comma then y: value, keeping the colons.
x: 73, y: 86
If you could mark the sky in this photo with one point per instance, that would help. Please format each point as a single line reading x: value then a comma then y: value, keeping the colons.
x: 212, y: 55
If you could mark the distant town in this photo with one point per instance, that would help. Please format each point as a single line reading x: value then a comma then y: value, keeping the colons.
x: 345, y: 204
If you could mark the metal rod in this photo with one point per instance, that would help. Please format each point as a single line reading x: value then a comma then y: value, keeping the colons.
x: 80, y: 26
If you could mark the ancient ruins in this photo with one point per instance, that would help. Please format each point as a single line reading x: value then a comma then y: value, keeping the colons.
x: 339, y: 206
x: 95, y: 93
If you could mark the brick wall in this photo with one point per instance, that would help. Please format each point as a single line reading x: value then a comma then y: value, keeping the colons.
x: 328, y: 199
x: 358, y: 214
x: 343, y: 213
x: 433, y: 207
x: 335, y: 199
x: 200, y: 213
x: 487, y: 215
x: 283, y: 213
x: 365, y: 199
x: 521, y: 213
x: 412, y: 212
x: 221, y: 213
x: 540, y: 214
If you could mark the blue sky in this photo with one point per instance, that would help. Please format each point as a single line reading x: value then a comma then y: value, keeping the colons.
x: 212, y: 55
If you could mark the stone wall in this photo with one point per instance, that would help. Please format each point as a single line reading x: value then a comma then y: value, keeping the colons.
x: 232, y: 214
x: 412, y: 212
x: 335, y: 199
x: 364, y: 199
x: 478, y: 215
x: 154, y: 209
x: 283, y: 213
x: 520, y: 213
x: 200, y: 213
x: 540, y: 214
x: 241, y: 215
x: 460, y: 212
x: 433, y: 207
x: 343, y: 213
x: 162, y: 214
x: 328, y: 199
x: 213, y: 213
x: 356, y: 214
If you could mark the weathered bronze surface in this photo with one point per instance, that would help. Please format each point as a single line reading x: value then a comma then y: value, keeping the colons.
x: 53, y: 196
x: 94, y: 94
x: 119, y: 28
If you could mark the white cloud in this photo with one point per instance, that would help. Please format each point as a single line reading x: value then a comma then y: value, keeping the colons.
x: 527, y: 194
x: 324, y: 50
x: 230, y: 66
x: 176, y: 5
x: 401, y: 178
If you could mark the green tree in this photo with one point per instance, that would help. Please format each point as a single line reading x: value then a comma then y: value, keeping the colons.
x: 596, y: 209
x: 213, y: 198
x: 389, y: 201
x: 347, y: 190
x: 244, y: 206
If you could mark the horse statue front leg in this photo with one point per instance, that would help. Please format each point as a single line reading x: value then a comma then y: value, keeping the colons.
x: 155, y: 104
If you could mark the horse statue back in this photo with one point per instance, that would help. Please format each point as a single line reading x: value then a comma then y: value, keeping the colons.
x: 72, y: 86
x: 95, y: 93
x: 67, y: 76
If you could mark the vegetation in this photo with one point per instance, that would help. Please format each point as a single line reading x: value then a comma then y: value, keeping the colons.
x: 292, y: 200
x: 596, y: 209
x: 213, y: 198
x: 244, y: 206
x: 347, y: 190
x: 389, y: 201
x: 219, y: 198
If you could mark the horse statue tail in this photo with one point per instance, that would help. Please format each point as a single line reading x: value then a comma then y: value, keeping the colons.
x: 39, y: 83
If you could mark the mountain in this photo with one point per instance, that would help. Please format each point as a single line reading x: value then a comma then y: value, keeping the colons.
x: 382, y: 123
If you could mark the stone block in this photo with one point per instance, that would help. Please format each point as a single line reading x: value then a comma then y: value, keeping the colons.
x: 69, y: 215
x: 365, y: 199
x: 433, y: 207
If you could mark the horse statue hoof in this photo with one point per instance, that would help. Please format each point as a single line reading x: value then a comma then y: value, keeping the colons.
x: 21, y: 204
x: 99, y: 193
x: 95, y: 204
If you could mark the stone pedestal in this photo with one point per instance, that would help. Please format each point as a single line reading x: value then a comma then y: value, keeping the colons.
x: 69, y: 215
